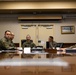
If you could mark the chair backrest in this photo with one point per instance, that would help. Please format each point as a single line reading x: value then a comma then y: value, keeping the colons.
x: 24, y: 40
x: 47, y: 44
x: 59, y: 45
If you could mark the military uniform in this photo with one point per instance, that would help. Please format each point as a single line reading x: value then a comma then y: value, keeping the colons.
x: 28, y: 44
x: 6, y: 44
x: 12, y: 44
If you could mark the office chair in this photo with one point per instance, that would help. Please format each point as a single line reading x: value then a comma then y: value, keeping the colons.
x: 24, y: 40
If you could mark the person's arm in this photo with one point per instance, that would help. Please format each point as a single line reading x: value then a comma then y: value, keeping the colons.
x: 33, y: 45
x: 74, y: 46
x: 24, y: 45
x: 54, y: 44
x: 5, y: 45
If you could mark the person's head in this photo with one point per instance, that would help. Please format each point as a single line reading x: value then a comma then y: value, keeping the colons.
x: 50, y: 38
x: 7, y: 34
x: 12, y: 36
x: 28, y: 37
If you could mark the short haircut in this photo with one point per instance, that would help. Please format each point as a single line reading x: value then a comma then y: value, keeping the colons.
x: 7, y: 31
x: 28, y: 35
x: 51, y: 37
x: 12, y: 33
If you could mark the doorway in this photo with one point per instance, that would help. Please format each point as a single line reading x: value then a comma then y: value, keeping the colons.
x: 39, y: 32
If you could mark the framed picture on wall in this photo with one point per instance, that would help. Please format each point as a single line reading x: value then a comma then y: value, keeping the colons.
x: 67, y: 29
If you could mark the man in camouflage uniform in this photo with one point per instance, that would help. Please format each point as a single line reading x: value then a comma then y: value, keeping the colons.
x: 28, y: 42
x: 5, y: 43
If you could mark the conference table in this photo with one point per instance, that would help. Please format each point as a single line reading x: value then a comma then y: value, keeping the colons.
x: 17, y: 64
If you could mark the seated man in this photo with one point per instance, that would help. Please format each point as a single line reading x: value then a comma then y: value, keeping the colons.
x: 51, y: 43
x: 11, y: 38
x: 5, y: 42
x: 28, y: 42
